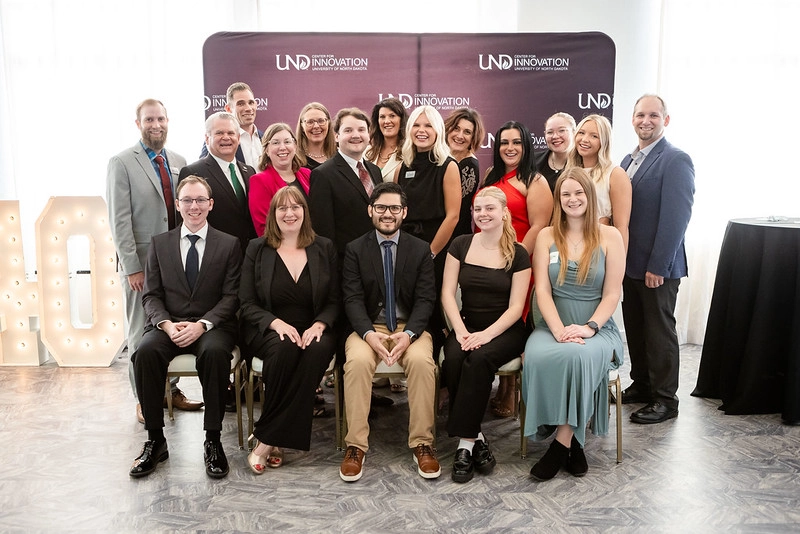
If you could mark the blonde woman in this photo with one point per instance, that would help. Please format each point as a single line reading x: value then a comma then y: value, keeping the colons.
x: 315, y: 141
x: 559, y: 134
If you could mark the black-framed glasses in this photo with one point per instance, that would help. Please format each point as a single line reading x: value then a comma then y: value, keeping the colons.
x: 187, y: 202
x: 381, y: 208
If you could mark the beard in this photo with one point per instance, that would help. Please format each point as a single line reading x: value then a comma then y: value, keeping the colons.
x: 155, y: 143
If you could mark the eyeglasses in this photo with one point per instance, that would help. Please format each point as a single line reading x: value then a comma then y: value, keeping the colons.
x: 381, y: 208
x: 187, y: 202
x: 293, y: 207
x: 553, y: 133
x: 285, y: 142
x: 312, y: 122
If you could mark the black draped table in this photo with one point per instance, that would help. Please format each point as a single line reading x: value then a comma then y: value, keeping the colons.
x: 751, y: 352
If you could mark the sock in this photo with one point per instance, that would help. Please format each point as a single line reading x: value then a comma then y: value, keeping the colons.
x: 481, y: 437
x: 156, y: 434
x: 214, y: 435
x: 466, y: 444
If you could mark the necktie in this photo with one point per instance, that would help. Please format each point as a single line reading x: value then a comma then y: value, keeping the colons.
x: 166, y: 187
x: 366, y: 179
x: 237, y: 187
x: 388, y: 280
x: 192, y: 262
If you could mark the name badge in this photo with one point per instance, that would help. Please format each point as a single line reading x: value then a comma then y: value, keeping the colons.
x: 410, y: 174
x: 554, y: 257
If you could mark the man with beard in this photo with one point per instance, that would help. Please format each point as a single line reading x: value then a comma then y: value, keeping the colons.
x: 141, y: 203
x: 242, y: 103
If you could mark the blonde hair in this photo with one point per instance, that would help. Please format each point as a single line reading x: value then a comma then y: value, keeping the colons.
x: 509, y: 237
x: 591, y: 225
x: 602, y: 169
x: 440, y: 150
x: 328, y: 146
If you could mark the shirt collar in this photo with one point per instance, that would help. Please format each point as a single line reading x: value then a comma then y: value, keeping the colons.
x: 646, y: 150
x: 202, y: 232
x: 394, y: 239
x: 350, y: 161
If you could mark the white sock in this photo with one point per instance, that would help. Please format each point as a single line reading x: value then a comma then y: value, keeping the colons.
x: 481, y: 437
x: 466, y: 444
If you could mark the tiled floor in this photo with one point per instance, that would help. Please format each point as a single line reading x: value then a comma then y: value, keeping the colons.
x: 68, y: 436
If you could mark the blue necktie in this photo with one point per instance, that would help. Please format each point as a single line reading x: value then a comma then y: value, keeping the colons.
x: 192, y: 262
x: 388, y: 280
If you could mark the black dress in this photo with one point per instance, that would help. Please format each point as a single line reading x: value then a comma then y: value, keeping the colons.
x: 542, y: 165
x: 469, y: 171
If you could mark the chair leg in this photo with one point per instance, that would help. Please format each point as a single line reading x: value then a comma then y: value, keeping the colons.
x: 339, y: 407
x: 168, y: 395
x: 619, y: 419
x: 523, y: 441
x: 237, y: 386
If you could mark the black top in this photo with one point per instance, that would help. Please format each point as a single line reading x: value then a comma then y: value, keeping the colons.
x: 311, y: 163
x: 292, y: 301
x: 468, y: 170
x: 423, y: 184
x: 544, y: 169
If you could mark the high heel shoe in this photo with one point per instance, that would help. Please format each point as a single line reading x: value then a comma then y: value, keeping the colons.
x: 275, y: 458
x: 257, y: 464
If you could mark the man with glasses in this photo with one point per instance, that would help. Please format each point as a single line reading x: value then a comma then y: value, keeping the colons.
x: 191, y: 298
x: 389, y: 293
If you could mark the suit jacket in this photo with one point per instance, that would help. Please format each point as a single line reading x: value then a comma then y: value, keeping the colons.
x: 229, y: 215
x: 363, y: 286
x: 239, y: 153
x: 663, y: 194
x: 338, y: 201
x: 136, y: 208
x: 258, y: 269
x: 215, y: 298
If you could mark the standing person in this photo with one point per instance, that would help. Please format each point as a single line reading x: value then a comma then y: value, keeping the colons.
x: 280, y: 165
x: 662, y: 177
x: 241, y: 102
x: 559, y: 134
x: 315, y: 142
x: 141, y: 203
x: 229, y: 178
x: 386, y: 133
x: 190, y: 296
x: 289, y: 297
x: 464, y: 133
x: 388, y: 290
x: 592, y: 152
x: 530, y: 203
x: 493, y: 271
x: 579, y: 265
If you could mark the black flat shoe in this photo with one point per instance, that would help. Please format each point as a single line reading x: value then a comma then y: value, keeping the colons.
x: 153, y: 453
x: 577, y: 465
x: 463, y: 466
x: 216, y: 462
x: 553, y: 460
x: 482, y: 457
x: 655, y: 412
x: 633, y: 395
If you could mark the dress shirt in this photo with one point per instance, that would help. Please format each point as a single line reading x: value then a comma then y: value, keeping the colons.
x: 635, y: 164
x: 251, y: 146
x: 226, y: 172
x: 352, y: 163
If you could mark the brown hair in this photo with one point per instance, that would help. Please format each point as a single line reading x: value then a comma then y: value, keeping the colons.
x: 272, y: 233
x: 376, y: 139
x: 470, y: 115
x: 329, y: 146
x: 272, y: 129
x: 591, y: 225
x: 193, y: 179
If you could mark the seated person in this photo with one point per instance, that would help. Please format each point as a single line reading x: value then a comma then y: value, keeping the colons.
x: 388, y: 290
x: 190, y: 299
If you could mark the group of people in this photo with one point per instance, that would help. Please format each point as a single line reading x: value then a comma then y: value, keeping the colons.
x: 374, y: 238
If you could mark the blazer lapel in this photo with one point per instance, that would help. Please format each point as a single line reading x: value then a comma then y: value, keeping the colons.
x: 209, y: 258
x: 178, y: 271
x: 314, y: 263
x: 351, y: 177
x: 648, y: 162
x: 374, y: 255
x: 223, y: 183
x: 144, y: 161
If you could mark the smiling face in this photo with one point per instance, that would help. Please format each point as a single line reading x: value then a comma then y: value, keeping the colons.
x: 223, y: 139
x: 153, y: 123
x: 460, y: 139
x: 587, y: 140
x: 353, y: 136
x: 194, y: 205
x: 315, y: 125
x: 558, y: 134
x: 281, y: 149
x: 289, y: 216
x: 423, y: 135
x: 387, y: 223
x: 511, y: 148
x: 573, y: 198
x: 649, y: 120
x: 243, y: 105
x: 487, y: 212
x: 389, y: 123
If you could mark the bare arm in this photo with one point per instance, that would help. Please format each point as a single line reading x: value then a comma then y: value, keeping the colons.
x: 539, y: 201
x: 452, y: 207
x: 621, y: 194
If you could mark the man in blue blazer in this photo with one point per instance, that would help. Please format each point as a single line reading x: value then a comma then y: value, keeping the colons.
x: 662, y: 177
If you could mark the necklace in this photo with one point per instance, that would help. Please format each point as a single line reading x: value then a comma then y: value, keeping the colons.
x: 315, y: 156
x: 552, y: 163
x: 575, y: 245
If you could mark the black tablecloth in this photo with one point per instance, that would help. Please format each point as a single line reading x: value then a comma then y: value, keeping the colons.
x: 751, y: 352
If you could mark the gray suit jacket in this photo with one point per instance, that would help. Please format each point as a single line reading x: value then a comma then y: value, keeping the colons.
x: 136, y: 208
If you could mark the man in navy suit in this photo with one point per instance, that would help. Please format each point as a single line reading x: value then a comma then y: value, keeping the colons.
x: 191, y: 298
x: 242, y: 103
x: 662, y: 177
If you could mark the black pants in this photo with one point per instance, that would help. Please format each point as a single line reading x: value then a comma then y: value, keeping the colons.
x: 649, y: 315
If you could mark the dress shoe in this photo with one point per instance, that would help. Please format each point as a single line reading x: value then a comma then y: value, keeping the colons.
x: 352, y: 465
x: 153, y: 453
x: 380, y: 400
x: 427, y: 464
x: 553, y: 460
x: 463, y: 466
x: 180, y: 402
x: 633, y: 395
x: 577, y: 464
x: 482, y: 457
x: 655, y: 412
x: 139, y: 414
x: 216, y: 462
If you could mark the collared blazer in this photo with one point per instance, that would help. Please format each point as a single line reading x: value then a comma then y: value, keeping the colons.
x: 258, y: 270
x: 363, y: 287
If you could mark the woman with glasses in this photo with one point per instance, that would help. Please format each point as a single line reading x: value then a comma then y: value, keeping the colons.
x: 315, y: 140
x: 280, y: 165
x: 559, y: 132
x: 289, y: 295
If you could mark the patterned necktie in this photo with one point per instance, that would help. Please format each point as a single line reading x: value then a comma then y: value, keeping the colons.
x: 366, y: 179
x: 388, y: 280
x: 237, y: 187
x: 192, y: 262
x: 166, y: 188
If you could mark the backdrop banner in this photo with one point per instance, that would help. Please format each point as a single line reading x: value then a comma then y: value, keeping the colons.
x: 521, y: 76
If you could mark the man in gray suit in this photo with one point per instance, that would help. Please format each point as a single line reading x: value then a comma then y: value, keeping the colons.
x: 141, y: 204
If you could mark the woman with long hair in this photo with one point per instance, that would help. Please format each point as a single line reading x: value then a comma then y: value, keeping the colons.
x: 464, y: 132
x: 559, y: 134
x: 578, y: 266
x: 386, y: 133
x: 315, y: 140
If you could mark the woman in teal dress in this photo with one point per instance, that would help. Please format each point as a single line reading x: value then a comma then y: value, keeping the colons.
x: 578, y: 267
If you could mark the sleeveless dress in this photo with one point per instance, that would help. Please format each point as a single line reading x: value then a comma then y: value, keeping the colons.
x: 568, y: 382
x: 469, y: 172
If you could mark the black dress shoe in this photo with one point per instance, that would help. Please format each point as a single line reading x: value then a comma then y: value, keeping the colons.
x: 577, y: 464
x: 655, y: 412
x: 216, y: 462
x: 482, y: 457
x: 153, y: 452
x: 463, y: 466
x: 633, y: 395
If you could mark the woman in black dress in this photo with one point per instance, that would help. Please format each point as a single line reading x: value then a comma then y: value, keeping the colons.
x: 464, y: 132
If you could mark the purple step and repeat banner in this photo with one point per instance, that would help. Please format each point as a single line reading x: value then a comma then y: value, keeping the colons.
x: 522, y: 76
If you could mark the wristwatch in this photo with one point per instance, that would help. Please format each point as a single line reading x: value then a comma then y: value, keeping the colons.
x: 593, y: 326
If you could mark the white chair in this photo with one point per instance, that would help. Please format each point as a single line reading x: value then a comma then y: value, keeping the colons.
x: 184, y: 365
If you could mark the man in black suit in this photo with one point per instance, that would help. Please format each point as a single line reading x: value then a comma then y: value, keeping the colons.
x: 228, y: 178
x: 389, y: 292
x: 242, y: 103
x: 190, y: 298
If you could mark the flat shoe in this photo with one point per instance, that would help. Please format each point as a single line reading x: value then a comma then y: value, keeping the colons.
x: 275, y: 458
x: 501, y: 412
x: 397, y: 388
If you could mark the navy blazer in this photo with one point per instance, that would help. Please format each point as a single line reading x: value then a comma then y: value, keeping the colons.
x: 258, y: 269
x: 663, y: 194
x: 363, y: 287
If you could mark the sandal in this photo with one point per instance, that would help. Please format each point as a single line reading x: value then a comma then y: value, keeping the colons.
x: 329, y: 382
x: 275, y: 458
x: 319, y: 411
x: 397, y: 388
x: 502, y: 412
x: 257, y: 464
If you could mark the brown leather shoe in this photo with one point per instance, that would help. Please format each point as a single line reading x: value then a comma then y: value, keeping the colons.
x: 351, y: 468
x: 139, y: 414
x: 180, y: 402
x: 427, y: 464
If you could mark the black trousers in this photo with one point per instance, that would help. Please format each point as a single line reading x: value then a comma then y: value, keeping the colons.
x: 150, y: 363
x: 290, y: 375
x: 649, y: 315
